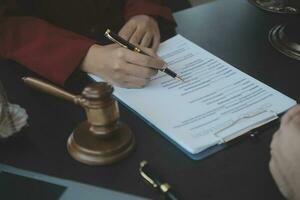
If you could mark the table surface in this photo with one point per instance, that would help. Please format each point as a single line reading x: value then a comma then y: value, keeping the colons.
x: 235, y: 31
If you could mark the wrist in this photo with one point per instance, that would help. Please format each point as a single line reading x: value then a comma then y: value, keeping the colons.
x: 87, y: 63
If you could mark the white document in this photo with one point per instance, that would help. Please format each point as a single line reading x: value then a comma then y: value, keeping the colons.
x: 215, y: 103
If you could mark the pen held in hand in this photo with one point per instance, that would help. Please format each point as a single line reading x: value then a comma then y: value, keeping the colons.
x: 123, y: 43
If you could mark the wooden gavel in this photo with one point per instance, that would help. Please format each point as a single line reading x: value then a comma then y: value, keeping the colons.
x: 102, y: 139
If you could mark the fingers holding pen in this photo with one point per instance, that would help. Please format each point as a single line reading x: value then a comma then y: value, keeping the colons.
x: 121, y: 67
x: 142, y: 30
x: 156, y: 43
x: 129, y: 81
x: 142, y: 72
x: 150, y: 61
x: 146, y: 40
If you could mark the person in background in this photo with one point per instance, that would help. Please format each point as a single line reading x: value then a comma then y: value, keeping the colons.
x: 55, y: 38
x: 285, y: 155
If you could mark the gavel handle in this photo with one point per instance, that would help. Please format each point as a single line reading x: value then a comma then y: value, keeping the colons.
x: 49, y: 88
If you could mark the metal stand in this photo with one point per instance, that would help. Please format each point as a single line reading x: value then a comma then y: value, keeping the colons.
x: 278, y: 6
x: 285, y: 39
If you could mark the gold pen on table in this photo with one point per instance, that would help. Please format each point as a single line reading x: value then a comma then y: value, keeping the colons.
x: 123, y: 43
x: 155, y: 181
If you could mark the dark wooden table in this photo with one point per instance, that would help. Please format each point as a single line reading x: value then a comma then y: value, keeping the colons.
x: 235, y: 31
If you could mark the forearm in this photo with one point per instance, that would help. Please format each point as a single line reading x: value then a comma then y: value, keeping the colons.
x: 52, y: 52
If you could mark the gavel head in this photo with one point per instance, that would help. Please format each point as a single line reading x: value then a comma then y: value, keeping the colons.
x: 102, y: 139
x: 100, y: 107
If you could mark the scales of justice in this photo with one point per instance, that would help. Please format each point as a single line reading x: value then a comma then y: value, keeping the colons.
x: 284, y: 37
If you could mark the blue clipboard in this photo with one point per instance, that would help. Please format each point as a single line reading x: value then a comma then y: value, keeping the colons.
x: 213, y: 149
x: 209, y: 151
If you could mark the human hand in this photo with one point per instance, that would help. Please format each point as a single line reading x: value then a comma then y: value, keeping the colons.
x: 285, y: 152
x: 291, y: 118
x: 142, y: 30
x: 121, y: 67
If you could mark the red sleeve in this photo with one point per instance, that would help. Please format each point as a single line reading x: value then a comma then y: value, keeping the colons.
x: 148, y: 7
x: 45, y: 49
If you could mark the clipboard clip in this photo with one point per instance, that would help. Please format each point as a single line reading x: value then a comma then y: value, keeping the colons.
x: 252, y: 131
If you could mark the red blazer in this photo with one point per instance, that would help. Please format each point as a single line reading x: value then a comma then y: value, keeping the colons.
x: 53, y: 51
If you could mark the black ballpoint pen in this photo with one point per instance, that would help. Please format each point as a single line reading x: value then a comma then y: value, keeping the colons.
x: 151, y: 177
x: 117, y: 39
